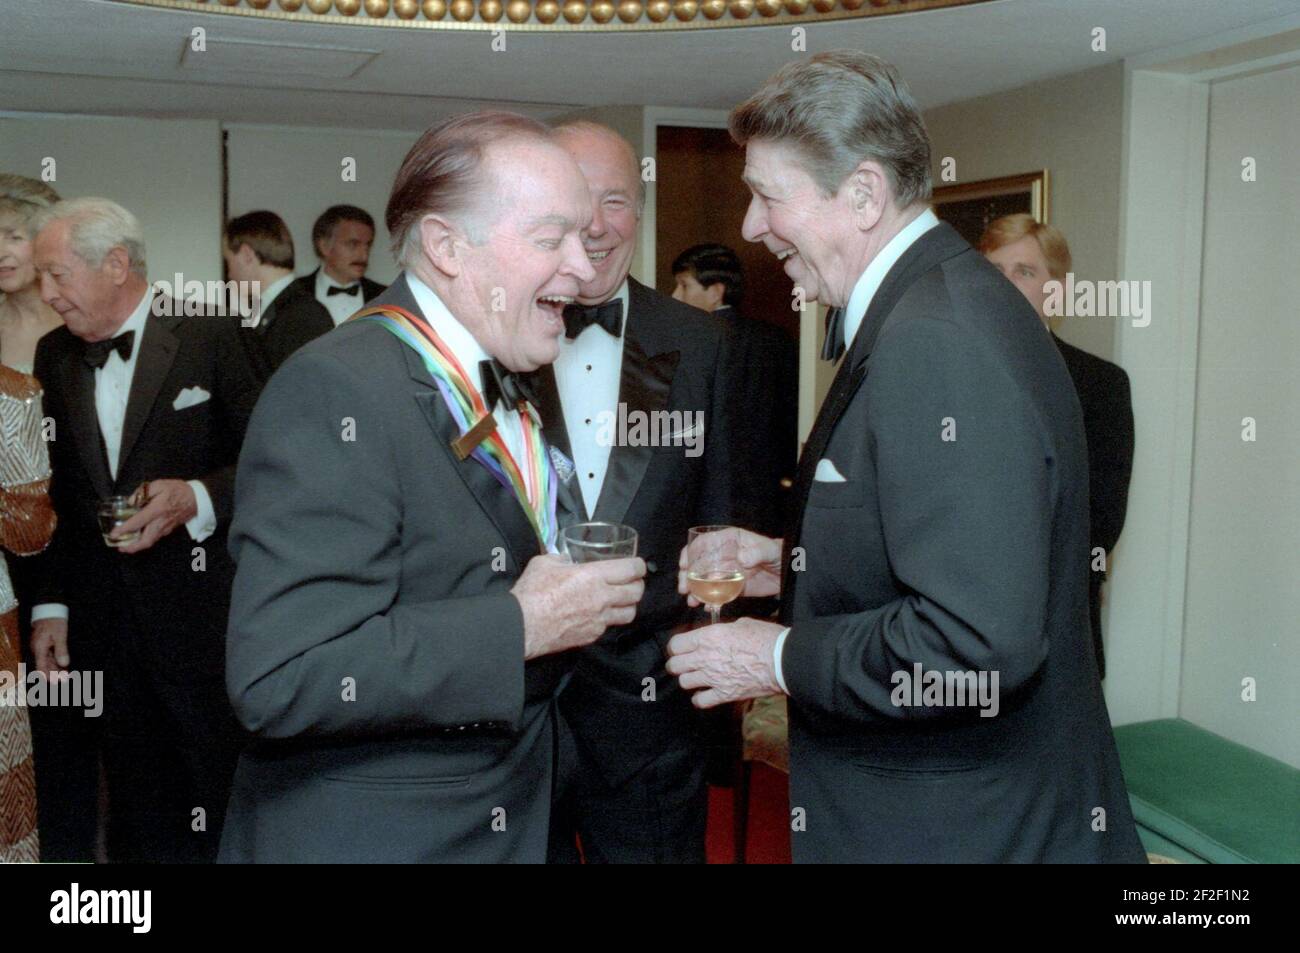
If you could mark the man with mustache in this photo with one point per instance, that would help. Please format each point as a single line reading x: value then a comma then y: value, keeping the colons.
x: 400, y: 625
x: 635, y: 788
x: 341, y: 237
x: 940, y: 518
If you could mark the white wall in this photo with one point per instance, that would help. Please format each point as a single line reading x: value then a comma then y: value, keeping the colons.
x: 167, y: 172
x: 1072, y: 126
x: 298, y: 173
x: 1242, y: 616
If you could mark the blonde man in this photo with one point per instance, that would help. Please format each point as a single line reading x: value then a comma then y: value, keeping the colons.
x: 1032, y: 254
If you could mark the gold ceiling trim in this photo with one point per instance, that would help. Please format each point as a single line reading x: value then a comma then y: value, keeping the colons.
x: 556, y: 16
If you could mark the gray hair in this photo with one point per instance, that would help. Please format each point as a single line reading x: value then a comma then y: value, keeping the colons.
x: 596, y: 128
x: 838, y: 109
x: 96, y: 227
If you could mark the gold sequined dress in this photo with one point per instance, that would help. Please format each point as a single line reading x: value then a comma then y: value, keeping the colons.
x: 26, y: 523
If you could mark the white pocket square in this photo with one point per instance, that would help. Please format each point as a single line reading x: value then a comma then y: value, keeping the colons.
x: 826, y: 472
x: 189, y: 397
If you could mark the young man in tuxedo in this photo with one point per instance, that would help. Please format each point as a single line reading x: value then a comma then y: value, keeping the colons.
x: 941, y: 519
x: 1031, y: 254
x: 259, y: 248
x: 151, y: 403
x: 634, y: 785
x: 341, y: 237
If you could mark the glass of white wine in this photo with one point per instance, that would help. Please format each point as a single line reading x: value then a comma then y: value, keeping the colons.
x: 714, y: 574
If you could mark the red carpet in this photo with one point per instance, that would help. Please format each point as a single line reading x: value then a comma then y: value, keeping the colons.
x: 769, y: 820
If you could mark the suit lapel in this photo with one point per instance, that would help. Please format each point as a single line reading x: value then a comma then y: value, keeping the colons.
x: 556, y: 433
x: 938, y: 244
x: 500, y: 503
x: 79, y: 388
x: 644, y: 386
x: 158, y: 348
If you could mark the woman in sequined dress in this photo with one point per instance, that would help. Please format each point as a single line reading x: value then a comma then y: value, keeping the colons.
x: 26, y: 517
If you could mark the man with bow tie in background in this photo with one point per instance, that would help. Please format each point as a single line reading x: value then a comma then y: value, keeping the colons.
x: 151, y: 404
x: 341, y: 238
x: 635, y: 788
x: 400, y: 624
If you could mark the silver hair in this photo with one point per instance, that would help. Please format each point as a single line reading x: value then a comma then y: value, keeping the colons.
x: 96, y: 227
x: 837, y: 109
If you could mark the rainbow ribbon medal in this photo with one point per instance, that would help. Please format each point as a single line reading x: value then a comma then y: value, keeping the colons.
x: 535, y: 484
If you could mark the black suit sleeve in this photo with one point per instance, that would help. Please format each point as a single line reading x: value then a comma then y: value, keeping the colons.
x: 1110, y: 457
x: 317, y: 540
x: 966, y: 523
x: 239, y: 387
x: 717, y: 501
x: 301, y: 320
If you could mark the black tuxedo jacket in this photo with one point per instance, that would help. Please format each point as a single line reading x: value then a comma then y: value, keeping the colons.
x: 181, y: 611
x: 292, y: 319
x: 674, y: 359
x: 374, y: 647
x: 957, y: 540
x: 766, y: 419
x: 1108, y: 422
x: 369, y: 289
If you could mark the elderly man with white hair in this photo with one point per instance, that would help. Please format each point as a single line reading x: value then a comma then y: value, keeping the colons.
x: 148, y: 405
x: 934, y: 642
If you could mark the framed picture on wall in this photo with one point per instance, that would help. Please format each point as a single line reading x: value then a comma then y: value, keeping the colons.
x: 970, y: 206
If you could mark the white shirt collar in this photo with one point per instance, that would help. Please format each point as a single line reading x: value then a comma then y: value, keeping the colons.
x: 454, y: 334
x: 324, y: 282
x: 869, y: 283
x: 273, y: 290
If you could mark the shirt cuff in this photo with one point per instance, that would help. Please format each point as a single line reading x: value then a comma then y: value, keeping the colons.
x: 204, y: 523
x: 49, y: 610
x: 776, y: 659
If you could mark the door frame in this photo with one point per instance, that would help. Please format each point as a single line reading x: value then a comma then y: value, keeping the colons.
x: 652, y: 118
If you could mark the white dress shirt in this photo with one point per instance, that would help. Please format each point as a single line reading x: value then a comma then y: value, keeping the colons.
x: 859, y: 301
x: 340, y: 307
x: 587, y: 375
x: 112, y: 394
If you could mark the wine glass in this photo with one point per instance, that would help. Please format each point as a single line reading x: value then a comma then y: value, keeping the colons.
x: 714, y: 574
x: 592, y: 542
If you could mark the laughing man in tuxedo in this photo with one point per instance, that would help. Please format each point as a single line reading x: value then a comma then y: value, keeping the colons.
x: 635, y: 788
x: 940, y: 518
x: 400, y: 626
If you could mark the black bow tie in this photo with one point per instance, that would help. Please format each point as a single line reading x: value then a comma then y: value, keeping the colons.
x: 579, y: 317
x: 833, y: 346
x: 349, y: 290
x: 97, y: 352
x: 502, y: 384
